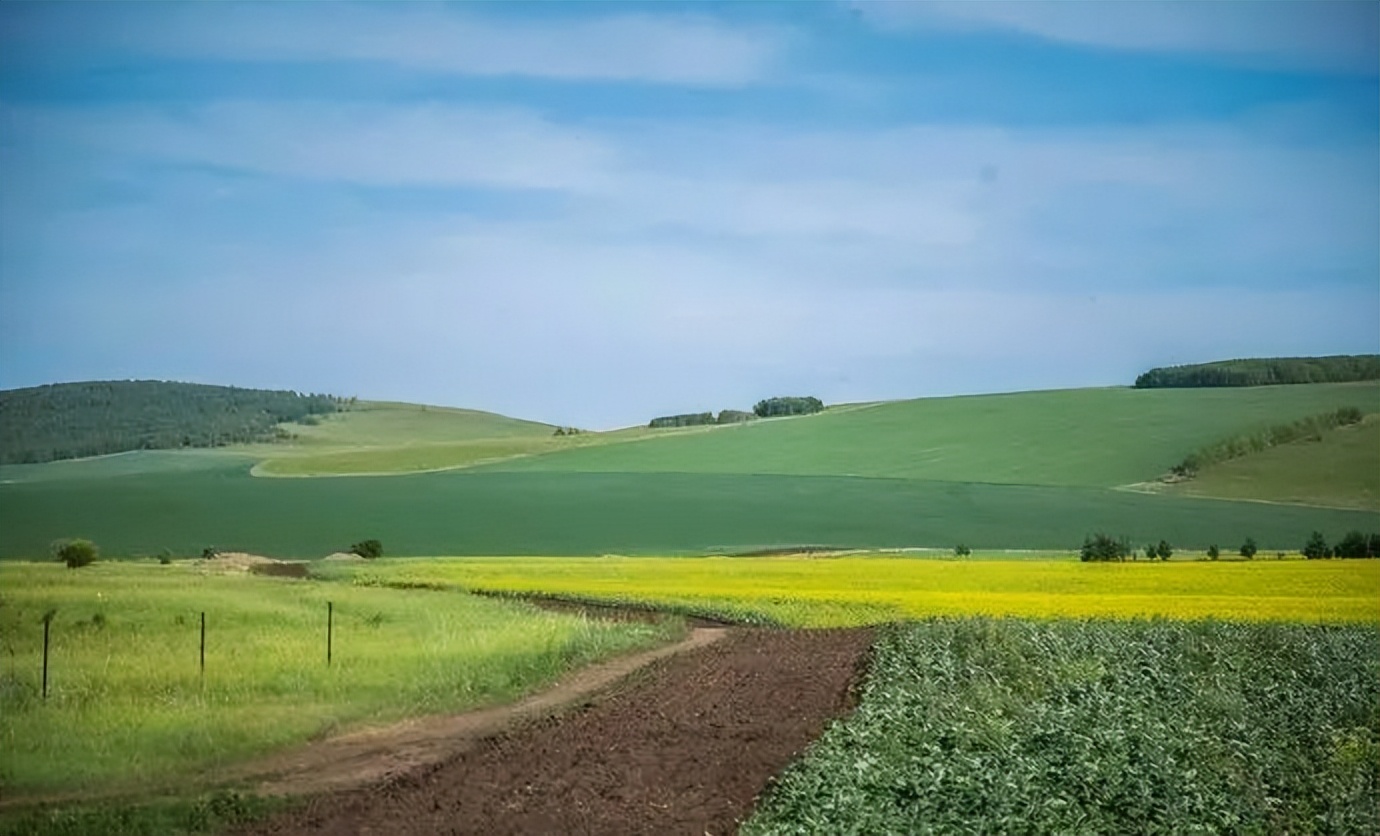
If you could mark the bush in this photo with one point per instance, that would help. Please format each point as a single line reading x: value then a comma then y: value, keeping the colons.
x: 1213, y: 552
x: 367, y: 548
x: 210, y: 553
x: 1100, y: 547
x: 76, y: 553
x: 1248, y: 549
x: 962, y: 551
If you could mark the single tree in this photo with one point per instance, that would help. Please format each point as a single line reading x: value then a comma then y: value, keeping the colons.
x: 1316, y: 547
x: 1248, y: 549
x: 76, y: 553
x: 1163, y: 550
x: 962, y: 551
x: 1214, y: 552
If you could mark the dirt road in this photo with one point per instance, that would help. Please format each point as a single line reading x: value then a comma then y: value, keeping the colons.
x: 683, y: 745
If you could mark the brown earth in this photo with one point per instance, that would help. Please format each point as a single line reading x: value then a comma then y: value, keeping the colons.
x: 684, y: 745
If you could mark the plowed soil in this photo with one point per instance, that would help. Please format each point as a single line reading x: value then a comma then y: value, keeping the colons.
x: 684, y: 745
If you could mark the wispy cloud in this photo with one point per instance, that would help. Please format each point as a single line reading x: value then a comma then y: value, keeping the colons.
x: 1329, y: 35
x: 610, y: 45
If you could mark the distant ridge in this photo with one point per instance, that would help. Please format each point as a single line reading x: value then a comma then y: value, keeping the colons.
x: 1264, y: 371
x: 74, y: 420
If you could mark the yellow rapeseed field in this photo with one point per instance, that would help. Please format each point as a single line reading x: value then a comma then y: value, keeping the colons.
x: 854, y: 590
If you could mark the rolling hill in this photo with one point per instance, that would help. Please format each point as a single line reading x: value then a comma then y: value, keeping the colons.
x: 1023, y: 470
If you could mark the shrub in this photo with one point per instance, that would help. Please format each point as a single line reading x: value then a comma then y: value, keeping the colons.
x: 1248, y: 549
x: 1100, y: 547
x: 962, y: 551
x: 1213, y: 552
x: 76, y: 553
x: 367, y: 548
x: 210, y: 553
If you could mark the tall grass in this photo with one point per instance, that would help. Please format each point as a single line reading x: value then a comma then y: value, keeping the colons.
x: 847, y: 591
x: 127, y: 705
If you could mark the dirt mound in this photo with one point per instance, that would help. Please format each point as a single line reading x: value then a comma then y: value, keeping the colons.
x: 226, y: 563
x: 344, y: 557
x: 685, y: 746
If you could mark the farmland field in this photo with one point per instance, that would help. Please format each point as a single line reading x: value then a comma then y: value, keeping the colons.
x: 1004, y: 726
x: 127, y: 707
x: 849, y: 591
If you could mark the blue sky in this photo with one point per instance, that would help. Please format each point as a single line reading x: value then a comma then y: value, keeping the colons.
x: 593, y: 214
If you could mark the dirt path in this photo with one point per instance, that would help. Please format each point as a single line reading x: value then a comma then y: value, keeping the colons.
x: 373, y: 755
x: 682, y: 746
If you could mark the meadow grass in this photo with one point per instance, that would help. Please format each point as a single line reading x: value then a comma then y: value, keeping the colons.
x: 1340, y: 470
x: 1080, y: 437
x: 976, y: 725
x: 127, y: 707
x: 847, y: 591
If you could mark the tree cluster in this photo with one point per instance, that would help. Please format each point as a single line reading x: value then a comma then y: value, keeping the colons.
x: 1354, y: 544
x: 368, y: 548
x: 568, y: 431
x: 774, y: 407
x: 1101, y: 548
x: 1240, y: 445
x: 72, y: 420
x: 1266, y: 371
x: 697, y: 419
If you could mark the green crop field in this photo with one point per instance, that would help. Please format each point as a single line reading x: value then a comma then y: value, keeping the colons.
x: 1004, y: 726
x: 128, y: 708
x: 849, y: 591
x: 467, y: 513
x: 1341, y: 470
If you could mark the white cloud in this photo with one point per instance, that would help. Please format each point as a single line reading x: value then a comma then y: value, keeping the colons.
x: 1329, y: 35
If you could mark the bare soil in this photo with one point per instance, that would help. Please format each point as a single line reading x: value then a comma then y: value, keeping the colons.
x: 684, y: 745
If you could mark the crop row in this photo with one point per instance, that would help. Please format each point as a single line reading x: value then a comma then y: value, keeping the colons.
x: 1004, y: 726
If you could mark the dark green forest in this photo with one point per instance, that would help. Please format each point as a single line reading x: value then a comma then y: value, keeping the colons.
x: 1265, y: 371
x: 772, y: 407
x: 697, y: 419
x: 72, y: 420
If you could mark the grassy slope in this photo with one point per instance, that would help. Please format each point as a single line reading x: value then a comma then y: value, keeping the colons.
x: 380, y: 438
x: 1087, y: 437
x: 1342, y: 470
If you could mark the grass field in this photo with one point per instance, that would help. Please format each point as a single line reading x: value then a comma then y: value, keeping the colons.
x: 127, y: 707
x: 1005, y: 726
x: 1079, y: 437
x: 1342, y: 470
x: 848, y: 591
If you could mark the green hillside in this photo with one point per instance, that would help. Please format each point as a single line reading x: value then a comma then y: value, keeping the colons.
x: 1086, y: 437
x: 1341, y: 470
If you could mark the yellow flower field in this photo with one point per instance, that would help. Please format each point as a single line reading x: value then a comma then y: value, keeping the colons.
x: 855, y: 590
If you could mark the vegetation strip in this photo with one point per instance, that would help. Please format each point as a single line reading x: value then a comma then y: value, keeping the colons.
x: 1003, y: 726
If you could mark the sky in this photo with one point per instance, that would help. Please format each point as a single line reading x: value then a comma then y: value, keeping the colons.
x: 593, y: 214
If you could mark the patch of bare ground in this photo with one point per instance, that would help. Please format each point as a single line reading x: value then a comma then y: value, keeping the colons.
x: 685, y: 745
